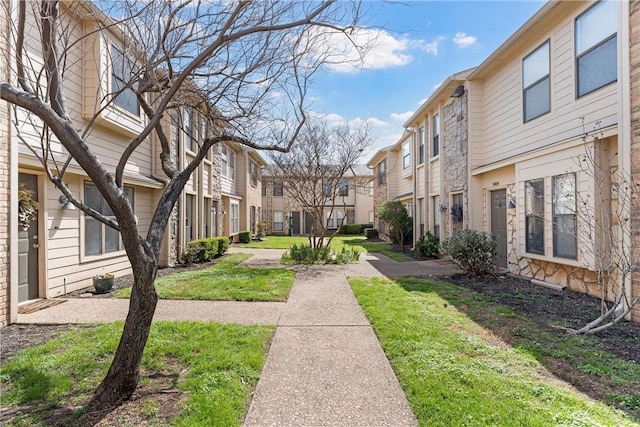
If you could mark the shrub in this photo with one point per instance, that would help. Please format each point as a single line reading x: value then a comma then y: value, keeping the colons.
x: 307, y: 255
x: 371, y: 233
x: 223, y: 244
x: 261, y: 230
x: 201, y: 250
x: 395, y: 215
x: 364, y: 227
x: 427, y: 246
x: 350, y: 229
x: 244, y: 236
x: 472, y: 250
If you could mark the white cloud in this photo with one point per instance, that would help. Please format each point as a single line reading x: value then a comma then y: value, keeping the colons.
x: 402, y: 117
x: 436, y: 86
x: 423, y: 100
x: 371, y: 121
x: 429, y: 47
x: 363, y: 49
x: 464, y: 40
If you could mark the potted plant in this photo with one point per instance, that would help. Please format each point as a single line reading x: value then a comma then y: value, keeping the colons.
x: 103, y: 283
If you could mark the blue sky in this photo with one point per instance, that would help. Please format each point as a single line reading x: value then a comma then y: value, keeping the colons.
x: 418, y: 45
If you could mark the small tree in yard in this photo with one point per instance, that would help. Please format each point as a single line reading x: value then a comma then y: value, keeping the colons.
x: 317, y: 166
x: 604, y: 229
x: 395, y: 215
x: 243, y: 65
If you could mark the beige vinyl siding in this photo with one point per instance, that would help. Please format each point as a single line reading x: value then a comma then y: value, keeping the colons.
x: 434, y: 177
x: 65, y: 241
x: 504, y: 134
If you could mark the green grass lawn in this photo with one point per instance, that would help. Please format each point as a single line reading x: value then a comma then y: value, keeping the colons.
x: 352, y: 240
x: 213, y: 367
x: 225, y: 282
x: 456, y: 372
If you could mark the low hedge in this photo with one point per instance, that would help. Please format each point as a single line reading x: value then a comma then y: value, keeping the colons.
x: 203, y: 250
x: 354, y: 228
x: 371, y: 233
x: 244, y: 237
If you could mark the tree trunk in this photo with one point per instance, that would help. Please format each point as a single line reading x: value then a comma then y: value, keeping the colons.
x: 124, y: 373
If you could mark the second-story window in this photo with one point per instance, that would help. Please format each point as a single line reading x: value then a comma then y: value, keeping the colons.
x: 596, y: 47
x: 536, y: 83
x: 225, y: 161
x: 228, y: 162
x: 406, y: 155
x: 253, y: 172
x: 121, y: 73
x: 187, y: 119
x: 327, y: 189
x: 421, y: 145
x: 278, y: 188
x: 343, y: 188
x: 382, y: 172
x: 436, y: 135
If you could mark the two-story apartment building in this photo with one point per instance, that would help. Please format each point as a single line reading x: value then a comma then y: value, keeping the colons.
x: 62, y: 249
x: 241, y: 189
x: 348, y: 200
x: 528, y: 145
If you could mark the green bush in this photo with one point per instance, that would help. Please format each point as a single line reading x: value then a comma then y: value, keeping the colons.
x: 472, y: 250
x: 364, y: 227
x: 305, y: 254
x: 428, y: 245
x: 223, y: 244
x: 371, y: 233
x: 201, y: 250
x: 244, y: 236
x: 350, y: 229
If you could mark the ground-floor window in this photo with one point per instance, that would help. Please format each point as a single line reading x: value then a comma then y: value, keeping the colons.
x: 188, y: 217
x: 235, y: 218
x: 98, y: 237
x: 564, y: 216
x: 278, y: 224
x: 534, y: 216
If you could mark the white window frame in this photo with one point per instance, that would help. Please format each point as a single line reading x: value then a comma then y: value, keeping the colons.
x: 278, y: 221
x: 120, y: 80
x: 235, y: 217
x: 435, y: 147
x: 536, y: 74
x: 595, y: 29
x: 104, y: 229
x: 406, y: 155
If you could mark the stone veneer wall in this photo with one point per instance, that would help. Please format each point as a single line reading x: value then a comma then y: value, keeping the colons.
x: 634, y: 45
x: 454, y: 166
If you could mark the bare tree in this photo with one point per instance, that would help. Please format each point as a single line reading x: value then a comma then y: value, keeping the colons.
x: 603, y: 227
x: 244, y: 65
x: 316, y: 169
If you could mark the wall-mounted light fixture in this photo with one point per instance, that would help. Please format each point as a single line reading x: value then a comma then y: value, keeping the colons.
x: 66, y: 204
x: 458, y: 92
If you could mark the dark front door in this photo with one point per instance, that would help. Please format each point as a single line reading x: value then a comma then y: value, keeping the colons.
x: 28, y: 247
x: 295, y: 223
x: 308, y: 222
x: 499, y: 225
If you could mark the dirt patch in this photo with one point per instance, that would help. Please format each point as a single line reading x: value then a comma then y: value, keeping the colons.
x: 156, y: 402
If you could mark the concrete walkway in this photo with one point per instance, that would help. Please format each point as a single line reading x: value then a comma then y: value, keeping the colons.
x: 325, y: 365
